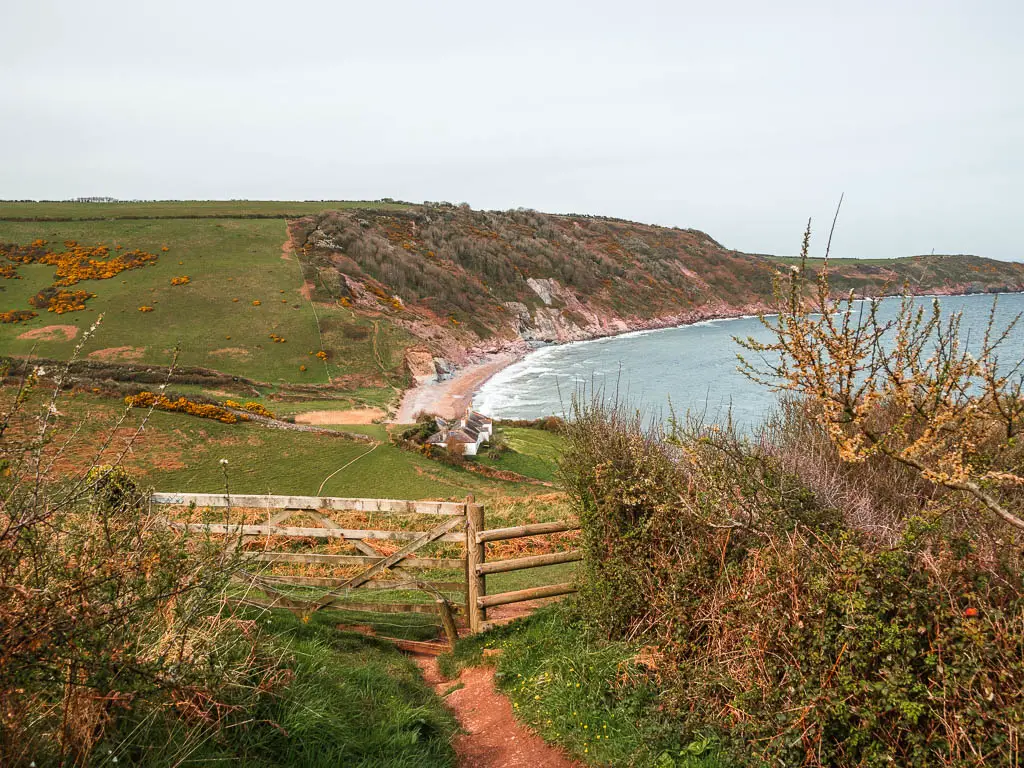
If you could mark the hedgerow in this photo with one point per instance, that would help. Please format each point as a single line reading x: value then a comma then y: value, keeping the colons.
x: 183, y: 405
x: 798, y: 637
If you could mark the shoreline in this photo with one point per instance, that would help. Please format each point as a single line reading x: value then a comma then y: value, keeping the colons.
x: 449, y: 398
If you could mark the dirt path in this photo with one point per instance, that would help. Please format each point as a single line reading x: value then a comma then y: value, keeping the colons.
x: 493, y: 738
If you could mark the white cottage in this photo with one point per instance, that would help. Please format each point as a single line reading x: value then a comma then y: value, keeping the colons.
x: 464, y: 436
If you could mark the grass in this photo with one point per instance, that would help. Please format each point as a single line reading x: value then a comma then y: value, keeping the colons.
x: 184, y: 208
x: 226, y: 259
x: 532, y: 453
x: 352, y: 701
x: 593, y: 697
x: 176, y: 452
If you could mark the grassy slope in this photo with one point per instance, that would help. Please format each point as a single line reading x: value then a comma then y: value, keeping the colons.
x: 352, y: 701
x: 182, y: 453
x: 225, y: 259
x: 532, y: 452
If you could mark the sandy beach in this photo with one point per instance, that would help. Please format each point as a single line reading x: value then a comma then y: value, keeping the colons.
x: 449, y: 398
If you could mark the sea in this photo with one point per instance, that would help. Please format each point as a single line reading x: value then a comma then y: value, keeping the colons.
x: 690, y: 368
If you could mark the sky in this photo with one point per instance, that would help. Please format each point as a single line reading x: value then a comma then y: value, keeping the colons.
x: 740, y: 118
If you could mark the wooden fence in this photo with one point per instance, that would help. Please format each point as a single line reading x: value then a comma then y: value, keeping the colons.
x: 381, y: 571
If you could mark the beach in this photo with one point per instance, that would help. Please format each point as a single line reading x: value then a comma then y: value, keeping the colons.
x: 449, y: 398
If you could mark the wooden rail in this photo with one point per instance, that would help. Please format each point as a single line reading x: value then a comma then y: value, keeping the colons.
x: 281, y: 602
x: 436, y: 534
x: 313, y: 533
x: 327, y: 581
x: 536, y: 561
x: 318, y: 503
x: 519, y: 531
x: 381, y: 571
x: 519, y: 595
x: 316, y: 558
x: 477, y: 599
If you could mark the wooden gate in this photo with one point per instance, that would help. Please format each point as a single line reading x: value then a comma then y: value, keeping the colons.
x: 399, y: 571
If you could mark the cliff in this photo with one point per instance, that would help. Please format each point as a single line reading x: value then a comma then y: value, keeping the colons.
x: 464, y: 281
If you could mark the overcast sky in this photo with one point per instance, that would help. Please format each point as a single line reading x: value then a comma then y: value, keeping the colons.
x: 741, y: 118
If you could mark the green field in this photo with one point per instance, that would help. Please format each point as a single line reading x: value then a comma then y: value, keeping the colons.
x: 183, y: 208
x: 226, y: 259
x: 532, y: 453
x: 182, y: 453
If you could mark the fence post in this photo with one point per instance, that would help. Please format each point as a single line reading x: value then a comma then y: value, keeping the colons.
x: 476, y: 586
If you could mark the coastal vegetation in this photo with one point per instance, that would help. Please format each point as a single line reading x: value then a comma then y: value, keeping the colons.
x: 840, y: 588
x: 339, y: 296
x: 480, y: 270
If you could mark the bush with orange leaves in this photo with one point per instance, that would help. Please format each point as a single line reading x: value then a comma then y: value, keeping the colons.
x: 182, y: 405
x: 251, y: 407
x: 73, y: 264
x: 59, y: 301
x: 16, y: 316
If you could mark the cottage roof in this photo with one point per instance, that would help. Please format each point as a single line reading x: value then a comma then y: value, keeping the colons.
x: 462, y: 436
x: 476, y: 423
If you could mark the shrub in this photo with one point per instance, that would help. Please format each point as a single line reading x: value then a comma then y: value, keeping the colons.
x: 797, y: 636
x: 17, y: 316
x: 111, y: 641
x: 182, y: 405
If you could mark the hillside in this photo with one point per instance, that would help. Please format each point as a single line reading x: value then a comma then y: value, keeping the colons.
x: 456, y: 278
x: 358, y: 300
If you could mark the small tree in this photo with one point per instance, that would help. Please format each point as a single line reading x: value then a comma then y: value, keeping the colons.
x: 906, y: 388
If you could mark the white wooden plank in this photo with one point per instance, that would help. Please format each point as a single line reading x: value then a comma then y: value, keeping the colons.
x: 318, y: 503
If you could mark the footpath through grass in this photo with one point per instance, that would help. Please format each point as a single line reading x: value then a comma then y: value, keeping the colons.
x: 597, y: 699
